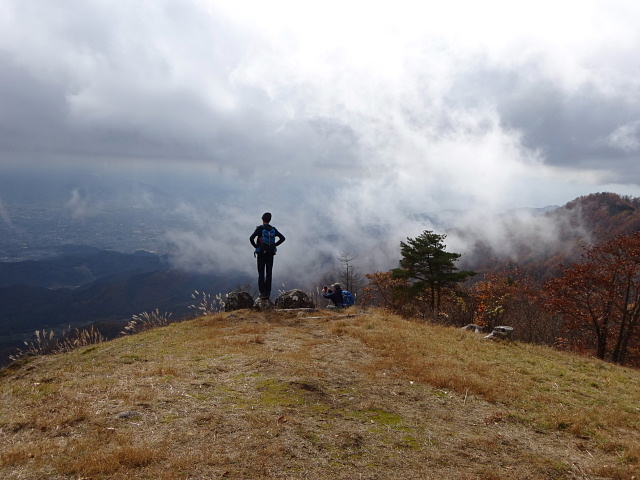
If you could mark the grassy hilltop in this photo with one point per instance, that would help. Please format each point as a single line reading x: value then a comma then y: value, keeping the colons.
x: 285, y: 395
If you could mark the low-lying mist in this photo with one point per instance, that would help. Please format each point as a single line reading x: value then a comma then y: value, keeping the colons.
x: 204, y: 222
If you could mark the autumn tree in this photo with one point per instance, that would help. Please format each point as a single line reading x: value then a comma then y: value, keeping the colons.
x: 511, y: 297
x: 599, y: 297
x: 494, y: 297
x: 382, y: 290
x: 429, y: 268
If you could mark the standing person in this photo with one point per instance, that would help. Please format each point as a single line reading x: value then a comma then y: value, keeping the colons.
x: 264, y: 241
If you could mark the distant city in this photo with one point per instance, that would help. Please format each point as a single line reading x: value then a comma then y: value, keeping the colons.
x: 29, y: 232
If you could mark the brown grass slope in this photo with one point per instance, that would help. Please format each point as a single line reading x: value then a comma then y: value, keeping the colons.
x: 281, y: 395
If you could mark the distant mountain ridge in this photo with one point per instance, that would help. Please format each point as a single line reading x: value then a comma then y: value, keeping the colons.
x: 607, y: 215
x: 74, y: 266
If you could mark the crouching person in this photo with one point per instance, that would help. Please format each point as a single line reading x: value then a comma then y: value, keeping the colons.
x: 334, y: 294
x: 340, y: 298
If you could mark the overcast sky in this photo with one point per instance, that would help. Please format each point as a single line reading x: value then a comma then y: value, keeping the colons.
x: 383, y: 107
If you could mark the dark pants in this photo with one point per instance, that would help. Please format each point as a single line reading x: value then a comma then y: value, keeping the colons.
x: 265, y: 266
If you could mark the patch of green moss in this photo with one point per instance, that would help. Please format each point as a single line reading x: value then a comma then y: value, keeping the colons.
x: 129, y: 359
x: 380, y: 417
x: 409, y: 442
x: 274, y: 392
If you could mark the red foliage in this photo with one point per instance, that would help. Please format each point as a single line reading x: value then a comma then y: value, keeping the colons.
x: 498, y: 293
x: 382, y: 290
x: 599, y: 298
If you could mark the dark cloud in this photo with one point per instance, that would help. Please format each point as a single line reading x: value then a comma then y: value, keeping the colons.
x: 588, y: 128
x: 33, y: 111
x: 575, y: 130
x: 224, y: 105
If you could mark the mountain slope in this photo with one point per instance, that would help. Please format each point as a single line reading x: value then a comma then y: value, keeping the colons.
x: 541, y: 244
x: 279, y: 395
x: 109, y: 287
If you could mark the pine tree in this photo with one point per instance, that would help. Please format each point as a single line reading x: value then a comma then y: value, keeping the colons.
x: 429, y: 268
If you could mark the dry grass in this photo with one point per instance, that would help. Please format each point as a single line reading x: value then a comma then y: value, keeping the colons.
x: 46, y: 343
x: 542, y: 386
x: 255, y: 395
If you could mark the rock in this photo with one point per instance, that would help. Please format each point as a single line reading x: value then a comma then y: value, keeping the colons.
x: 263, y: 304
x: 500, y: 333
x: 294, y: 299
x: 474, y: 327
x: 129, y: 414
x: 238, y: 301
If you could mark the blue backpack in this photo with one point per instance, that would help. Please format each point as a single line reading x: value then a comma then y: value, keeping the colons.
x: 348, y: 298
x: 268, y: 240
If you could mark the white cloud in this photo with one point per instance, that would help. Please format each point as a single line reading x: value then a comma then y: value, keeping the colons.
x: 626, y: 137
x: 386, y: 108
x: 82, y: 204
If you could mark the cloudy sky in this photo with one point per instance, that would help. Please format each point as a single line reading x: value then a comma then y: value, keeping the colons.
x: 379, y: 108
